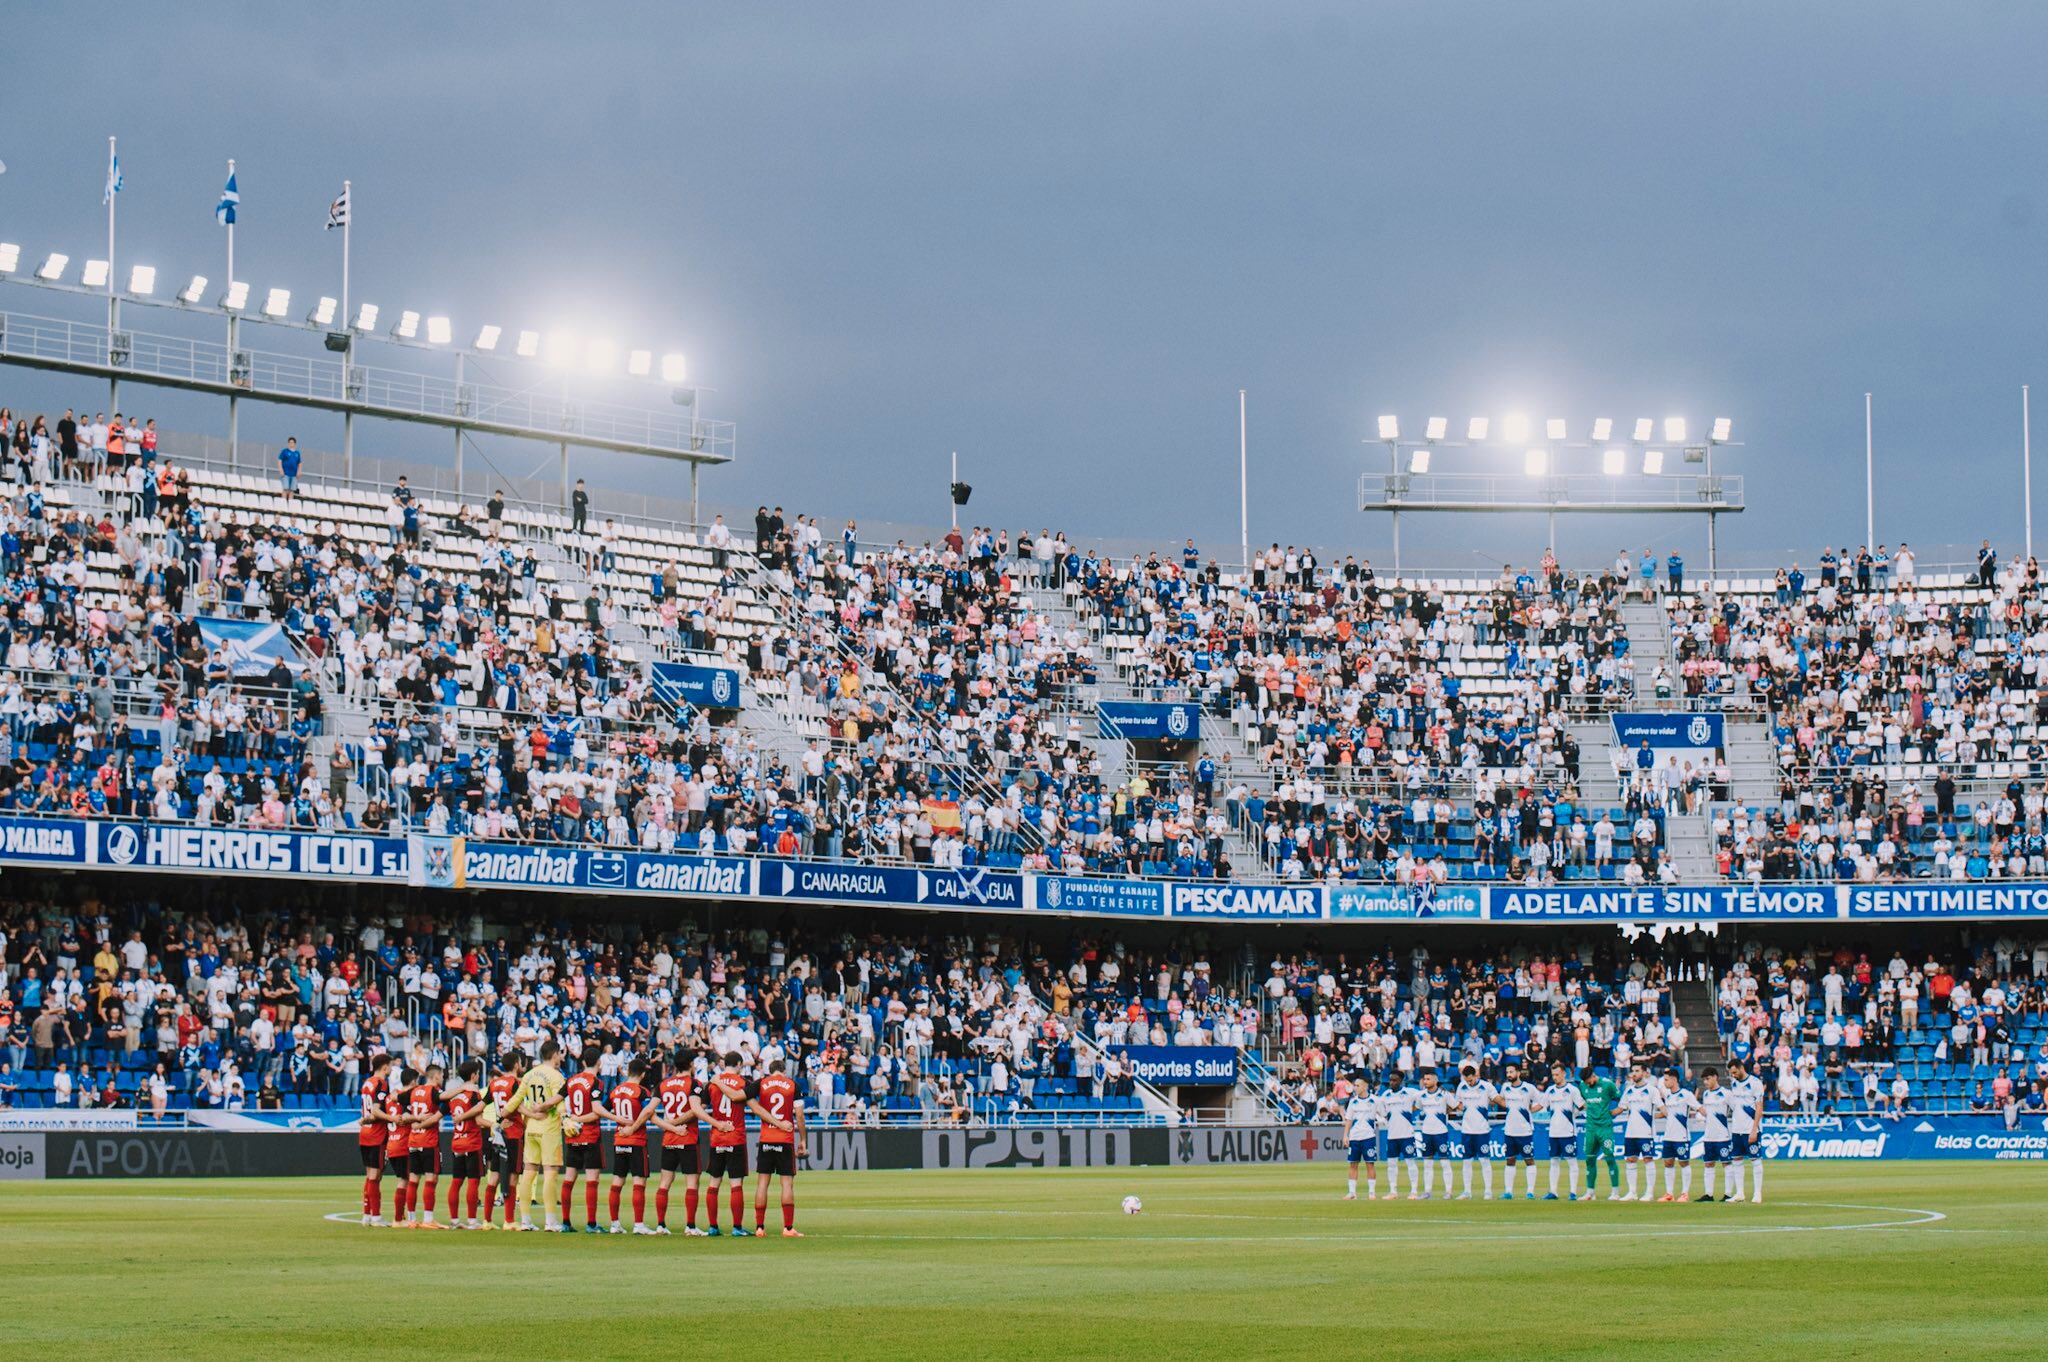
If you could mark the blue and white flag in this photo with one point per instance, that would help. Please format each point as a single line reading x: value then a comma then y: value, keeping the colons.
x: 337, y: 212
x: 253, y: 647
x: 113, y: 176
x: 230, y: 199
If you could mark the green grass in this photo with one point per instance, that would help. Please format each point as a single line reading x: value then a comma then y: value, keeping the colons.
x: 1226, y: 1262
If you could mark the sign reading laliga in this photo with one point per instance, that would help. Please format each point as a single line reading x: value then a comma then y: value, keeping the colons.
x: 1248, y: 902
x: 1145, y: 721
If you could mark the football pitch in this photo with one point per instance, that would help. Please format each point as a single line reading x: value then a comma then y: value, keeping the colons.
x: 1896, y: 1259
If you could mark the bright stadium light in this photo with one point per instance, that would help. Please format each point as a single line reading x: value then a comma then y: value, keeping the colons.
x: 1436, y: 428
x: 366, y: 318
x: 95, y: 276
x: 1418, y: 461
x: 439, y: 331
x: 277, y: 302
x: 1653, y: 461
x: 1476, y: 428
x: 1674, y: 430
x: 640, y: 363
x: 1390, y: 428
x: 601, y: 356
x: 1614, y: 462
x: 194, y: 291
x: 407, y: 326
x: 323, y: 312
x: 561, y: 347
x: 487, y: 338
x: 1553, y: 429
x: 52, y: 268
x: 236, y: 298
x: 10, y: 257
x: 1603, y: 430
x: 1646, y: 429
x: 1515, y: 428
x: 142, y: 280
x: 1536, y: 462
x: 673, y: 368
x: 1723, y: 428
x: 528, y: 346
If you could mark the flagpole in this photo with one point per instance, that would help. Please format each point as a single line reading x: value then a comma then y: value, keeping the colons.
x: 348, y: 355
x: 113, y: 303
x: 234, y: 402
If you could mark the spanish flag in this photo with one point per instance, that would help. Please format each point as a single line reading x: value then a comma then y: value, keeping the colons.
x: 945, y: 815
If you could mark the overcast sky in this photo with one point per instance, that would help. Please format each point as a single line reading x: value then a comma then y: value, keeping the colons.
x: 1060, y: 237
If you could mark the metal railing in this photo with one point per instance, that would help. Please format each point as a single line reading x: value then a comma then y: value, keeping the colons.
x: 542, y: 413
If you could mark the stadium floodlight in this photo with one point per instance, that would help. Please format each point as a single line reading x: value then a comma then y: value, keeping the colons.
x: 194, y: 291
x: 1536, y: 462
x: 1515, y: 428
x: 640, y: 363
x: 601, y: 356
x: 323, y: 312
x: 1418, y: 461
x: 1603, y: 430
x: 1476, y: 428
x: 1674, y: 430
x: 1653, y: 461
x: 1646, y: 430
x: 439, y: 332
x: 277, y: 302
x: 560, y: 347
x: 1390, y: 427
x: 96, y: 274
x: 1436, y: 429
x: 528, y: 345
x: 10, y: 257
x: 366, y: 318
x: 1554, y: 429
x: 236, y: 298
x: 407, y: 327
x: 1614, y: 462
x: 52, y: 268
x: 673, y: 368
x: 487, y: 338
x: 1723, y: 428
x: 142, y: 280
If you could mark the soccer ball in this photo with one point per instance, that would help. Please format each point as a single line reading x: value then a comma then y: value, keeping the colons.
x: 1132, y: 1205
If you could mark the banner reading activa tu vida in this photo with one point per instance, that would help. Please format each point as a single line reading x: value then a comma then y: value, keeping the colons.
x: 424, y: 861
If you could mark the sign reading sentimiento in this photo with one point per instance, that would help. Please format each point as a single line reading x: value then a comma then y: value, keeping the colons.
x: 1948, y: 900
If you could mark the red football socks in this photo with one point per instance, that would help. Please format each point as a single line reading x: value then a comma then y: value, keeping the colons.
x: 589, y: 1202
x: 690, y: 1195
x: 789, y: 1215
x: 739, y: 1208
x: 639, y: 1203
x: 615, y: 1203
x: 661, y: 1205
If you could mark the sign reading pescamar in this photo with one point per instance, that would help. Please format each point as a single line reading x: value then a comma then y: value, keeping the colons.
x: 1248, y: 902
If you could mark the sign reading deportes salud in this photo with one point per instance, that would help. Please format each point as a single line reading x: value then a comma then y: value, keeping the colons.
x: 1147, y: 721
x: 1679, y: 735
x: 1199, y: 1066
x: 704, y: 687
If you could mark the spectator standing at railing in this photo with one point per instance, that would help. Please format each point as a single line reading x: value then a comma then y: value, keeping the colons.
x: 288, y: 461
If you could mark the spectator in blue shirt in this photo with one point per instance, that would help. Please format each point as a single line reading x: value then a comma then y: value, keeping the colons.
x: 288, y: 460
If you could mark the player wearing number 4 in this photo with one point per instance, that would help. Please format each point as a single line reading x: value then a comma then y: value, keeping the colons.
x: 1362, y: 1138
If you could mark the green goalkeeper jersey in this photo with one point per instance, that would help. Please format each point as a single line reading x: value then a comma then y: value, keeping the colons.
x: 1600, y: 1096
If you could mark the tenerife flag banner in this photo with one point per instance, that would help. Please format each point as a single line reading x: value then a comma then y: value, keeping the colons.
x: 253, y: 646
x: 433, y: 861
x: 230, y: 201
